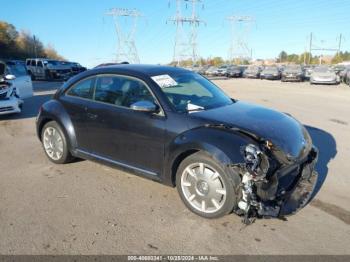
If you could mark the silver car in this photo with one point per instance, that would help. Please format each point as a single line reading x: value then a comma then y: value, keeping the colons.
x: 211, y: 71
x: 324, y: 75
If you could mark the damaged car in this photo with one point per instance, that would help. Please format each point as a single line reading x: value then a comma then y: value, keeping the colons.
x: 15, y: 85
x: 176, y: 127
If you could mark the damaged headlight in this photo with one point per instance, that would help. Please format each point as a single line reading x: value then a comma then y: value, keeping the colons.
x: 257, y: 162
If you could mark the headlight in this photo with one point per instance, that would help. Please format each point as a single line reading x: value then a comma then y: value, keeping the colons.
x: 257, y: 162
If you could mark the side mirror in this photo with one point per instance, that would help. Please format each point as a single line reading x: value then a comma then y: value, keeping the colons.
x: 10, y: 77
x: 144, y: 106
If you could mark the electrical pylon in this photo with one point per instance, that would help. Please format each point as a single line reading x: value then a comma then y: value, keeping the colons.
x: 240, y: 28
x: 186, y: 45
x: 126, y: 48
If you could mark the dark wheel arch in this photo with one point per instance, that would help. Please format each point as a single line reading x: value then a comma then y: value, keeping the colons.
x: 177, y: 162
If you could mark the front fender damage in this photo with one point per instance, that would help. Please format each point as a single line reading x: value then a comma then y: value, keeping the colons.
x: 270, y: 191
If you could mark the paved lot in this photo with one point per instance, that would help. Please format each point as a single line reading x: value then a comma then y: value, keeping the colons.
x: 86, y: 208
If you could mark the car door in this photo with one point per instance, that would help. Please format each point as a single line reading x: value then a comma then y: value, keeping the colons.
x: 76, y: 100
x: 121, y: 134
x: 23, y: 82
x: 40, y: 69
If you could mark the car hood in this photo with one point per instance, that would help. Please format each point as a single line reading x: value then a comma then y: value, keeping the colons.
x: 269, y: 72
x: 286, y: 133
x: 292, y: 72
x: 326, y: 74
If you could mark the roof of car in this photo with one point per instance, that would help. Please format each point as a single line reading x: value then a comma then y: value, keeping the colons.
x: 143, y: 69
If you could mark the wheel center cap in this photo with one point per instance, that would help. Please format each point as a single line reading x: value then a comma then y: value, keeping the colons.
x: 202, y: 187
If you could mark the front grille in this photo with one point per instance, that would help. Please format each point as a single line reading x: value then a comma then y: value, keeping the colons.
x: 64, y: 71
x: 4, y: 109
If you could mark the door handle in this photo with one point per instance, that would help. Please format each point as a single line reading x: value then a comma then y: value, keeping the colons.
x: 92, y: 116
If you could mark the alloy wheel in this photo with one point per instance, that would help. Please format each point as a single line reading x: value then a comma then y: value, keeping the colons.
x: 53, y: 143
x: 203, y: 187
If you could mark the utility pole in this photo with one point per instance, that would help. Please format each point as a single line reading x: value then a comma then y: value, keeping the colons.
x: 310, y: 49
x: 240, y: 27
x: 126, y: 49
x: 186, y: 44
x: 35, y: 50
x: 339, y: 46
x: 316, y: 47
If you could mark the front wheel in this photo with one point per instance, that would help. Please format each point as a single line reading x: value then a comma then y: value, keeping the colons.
x: 204, y: 186
x: 55, y: 143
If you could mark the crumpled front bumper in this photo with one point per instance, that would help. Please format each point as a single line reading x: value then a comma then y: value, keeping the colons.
x: 298, y: 194
x: 301, y: 195
x: 10, y: 105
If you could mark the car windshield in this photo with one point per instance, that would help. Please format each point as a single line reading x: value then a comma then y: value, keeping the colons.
x: 292, y: 69
x: 252, y: 68
x: 17, y: 69
x: 271, y: 69
x: 192, y: 92
x: 323, y: 70
x: 51, y: 62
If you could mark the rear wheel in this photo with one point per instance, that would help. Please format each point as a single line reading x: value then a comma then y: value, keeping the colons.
x: 48, y: 76
x: 31, y: 75
x: 55, y: 143
x: 204, y: 187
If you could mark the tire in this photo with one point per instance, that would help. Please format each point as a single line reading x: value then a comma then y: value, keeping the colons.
x: 31, y: 75
x: 212, y: 186
x: 48, y: 76
x: 58, y: 143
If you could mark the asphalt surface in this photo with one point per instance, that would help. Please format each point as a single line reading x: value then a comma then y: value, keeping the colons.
x: 87, y: 208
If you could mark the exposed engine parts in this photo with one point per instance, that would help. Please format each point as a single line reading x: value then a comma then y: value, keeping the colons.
x: 257, y: 163
x: 263, y: 193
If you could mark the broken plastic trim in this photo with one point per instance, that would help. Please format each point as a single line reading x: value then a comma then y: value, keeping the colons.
x: 288, y: 203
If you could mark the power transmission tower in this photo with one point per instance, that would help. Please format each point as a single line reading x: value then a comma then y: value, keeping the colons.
x: 186, y: 45
x: 126, y: 49
x: 240, y: 29
x: 313, y: 47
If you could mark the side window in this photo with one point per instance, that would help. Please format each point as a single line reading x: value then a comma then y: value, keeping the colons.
x: 40, y: 64
x: 28, y: 62
x: 82, y: 89
x: 121, y: 91
x: 33, y: 63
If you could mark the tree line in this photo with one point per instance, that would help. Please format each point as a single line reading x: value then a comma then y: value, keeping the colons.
x: 22, y: 45
x: 307, y: 58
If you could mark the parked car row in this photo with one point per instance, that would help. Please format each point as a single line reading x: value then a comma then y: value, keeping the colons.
x: 292, y: 73
x: 49, y: 69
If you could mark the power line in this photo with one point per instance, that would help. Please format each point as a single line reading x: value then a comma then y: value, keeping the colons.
x: 186, y: 45
x: 126, y: 49
x: 240, y: 28
x: 323, y: 48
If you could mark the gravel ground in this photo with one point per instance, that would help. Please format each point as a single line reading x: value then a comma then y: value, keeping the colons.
x: 87, y: 208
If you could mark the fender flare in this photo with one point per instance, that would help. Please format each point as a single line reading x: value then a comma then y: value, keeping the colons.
x: 54, y: 111
x: 222, y: 144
